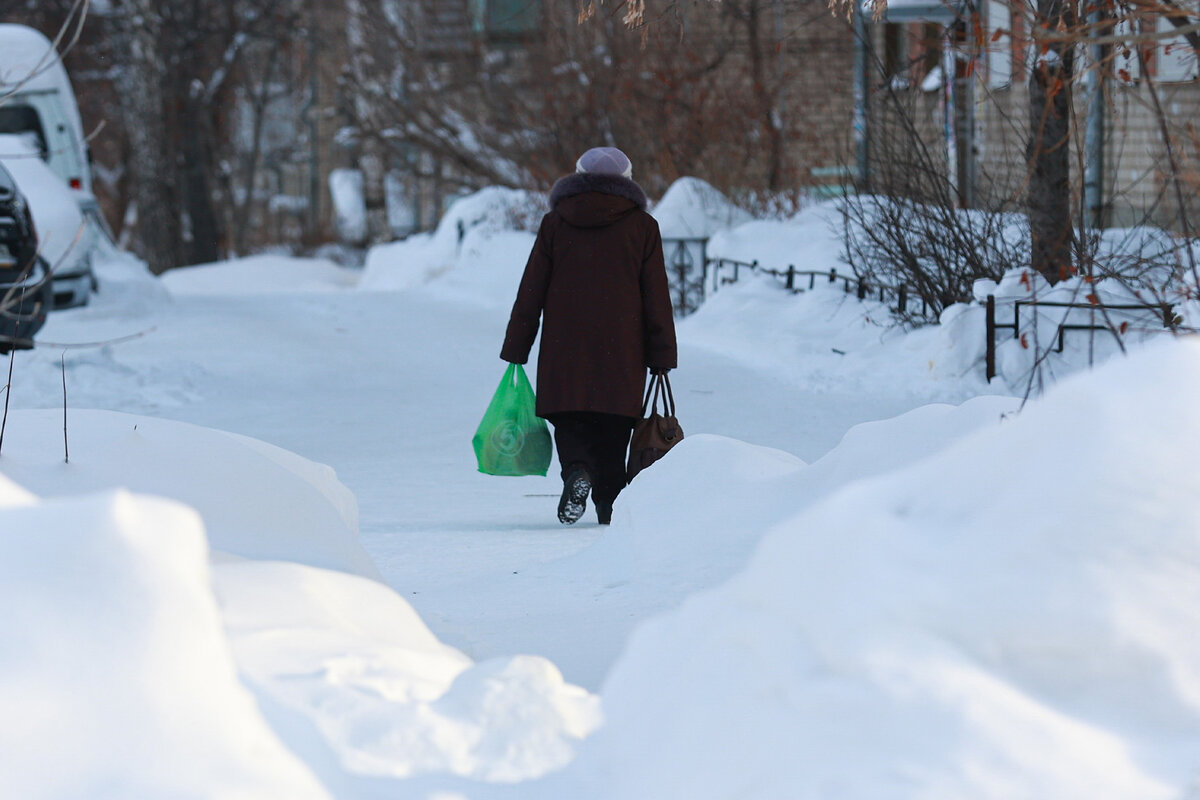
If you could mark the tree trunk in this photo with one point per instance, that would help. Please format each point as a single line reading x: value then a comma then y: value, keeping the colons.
x: 152, y: 172
x: 374, y: 172
x: 765, y: 95
x: 205, y: 244
x: 1049, y: 194
x: 371, y: 158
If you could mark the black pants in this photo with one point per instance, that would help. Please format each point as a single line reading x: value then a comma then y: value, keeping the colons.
x: 597, y: 442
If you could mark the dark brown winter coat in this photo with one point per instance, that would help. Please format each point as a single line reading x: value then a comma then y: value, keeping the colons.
x: 596, y: 278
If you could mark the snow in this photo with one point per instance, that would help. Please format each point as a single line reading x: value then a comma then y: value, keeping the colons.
x: 30, y: 63
x: 808, y: 241
x: 935, y: 633
x: 116, y: 669
x: 692, y: 208
x: 311, y: 517
x: 476, y: 218
x: 261, y: 274
x: 865, y: 572
x: 349, y: 205
x: 1017, y: 360
x: 932, y: 82
x: 353, y: 659
x: 338, y: 650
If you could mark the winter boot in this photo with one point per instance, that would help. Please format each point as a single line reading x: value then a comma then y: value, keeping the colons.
x: 603, y: 511
x: 574, y: 496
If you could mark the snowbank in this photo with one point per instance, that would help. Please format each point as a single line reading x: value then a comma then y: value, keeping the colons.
x: 1029, y: 358
x: 257, y: 501
x: 261, y: 274
x: 809, y: 241
x: 488, y: 270
x: 1010, y: 618
x: 127, y: 287
x: 420, y: 258
x: 115, y: 671
x: 145, y: 698
x: 692, y: 208
x: 825, y: 339
x: 373, y: 686
x: 954, y: 351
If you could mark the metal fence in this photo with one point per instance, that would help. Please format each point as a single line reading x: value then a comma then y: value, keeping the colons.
x: 687, y: 272
x: 1115, y: 318
x: 692, y: 276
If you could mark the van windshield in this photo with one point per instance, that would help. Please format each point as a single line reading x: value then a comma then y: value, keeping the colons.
x: 24, y: 119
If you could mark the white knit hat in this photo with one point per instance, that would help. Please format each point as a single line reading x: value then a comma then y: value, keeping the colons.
x: 605, y: 161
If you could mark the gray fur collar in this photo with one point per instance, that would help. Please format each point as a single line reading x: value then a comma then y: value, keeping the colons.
x: 580, y: 182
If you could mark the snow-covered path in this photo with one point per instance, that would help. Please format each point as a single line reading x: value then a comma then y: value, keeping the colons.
x: 387, y: 388
x: 899, y: 617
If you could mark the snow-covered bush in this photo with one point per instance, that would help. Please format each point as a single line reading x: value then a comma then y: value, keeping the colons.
x: 937, y: 251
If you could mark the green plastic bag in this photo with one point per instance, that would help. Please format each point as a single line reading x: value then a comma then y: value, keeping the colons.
x: 512, y: 439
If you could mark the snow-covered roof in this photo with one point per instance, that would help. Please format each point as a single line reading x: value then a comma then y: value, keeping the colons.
x: 28, y: 62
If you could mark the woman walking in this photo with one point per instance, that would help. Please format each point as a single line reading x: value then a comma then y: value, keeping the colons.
x: 597, y: 281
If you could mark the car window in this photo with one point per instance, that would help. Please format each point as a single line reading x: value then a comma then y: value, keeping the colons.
x: 24, y: 119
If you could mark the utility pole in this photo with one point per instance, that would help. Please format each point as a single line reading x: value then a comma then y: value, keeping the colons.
x: 1093, y: 170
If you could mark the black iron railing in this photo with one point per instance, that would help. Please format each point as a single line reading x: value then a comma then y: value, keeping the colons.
x: 687, y: 271
x: 793, y: 280
x: 692, y: 275
x: 1132, y: 312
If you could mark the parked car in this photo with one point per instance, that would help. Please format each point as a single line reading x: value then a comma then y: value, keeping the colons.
x: 39, y: 105
x: 39, y: 101
x: 66, y: 241
x: 25, y: 293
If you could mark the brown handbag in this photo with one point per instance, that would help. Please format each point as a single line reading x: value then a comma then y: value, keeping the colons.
x: 655, y: 433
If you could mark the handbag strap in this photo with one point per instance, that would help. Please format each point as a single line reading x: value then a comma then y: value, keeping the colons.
x: 651, y: 390
x: 659, y: 383
x: 668, y: 396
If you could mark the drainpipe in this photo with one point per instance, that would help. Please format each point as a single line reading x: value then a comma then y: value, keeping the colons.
x: 950, y: 112
x: 1093, y: 171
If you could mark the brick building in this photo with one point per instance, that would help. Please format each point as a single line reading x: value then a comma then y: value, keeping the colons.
x: 988, y: 139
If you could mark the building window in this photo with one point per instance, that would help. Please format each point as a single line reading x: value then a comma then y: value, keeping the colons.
x: 1126, y: 65
x: 895, y: 55
x: 501, y: 20
x: 1176, y: 58
x: 998, y: 44
x: 911, y: 52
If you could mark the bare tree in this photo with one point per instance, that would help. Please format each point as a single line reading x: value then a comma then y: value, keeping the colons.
x: 459, y: 102
x: 141, y: 87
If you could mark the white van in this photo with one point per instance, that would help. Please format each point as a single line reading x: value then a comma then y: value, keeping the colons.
x: 37, y: 103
